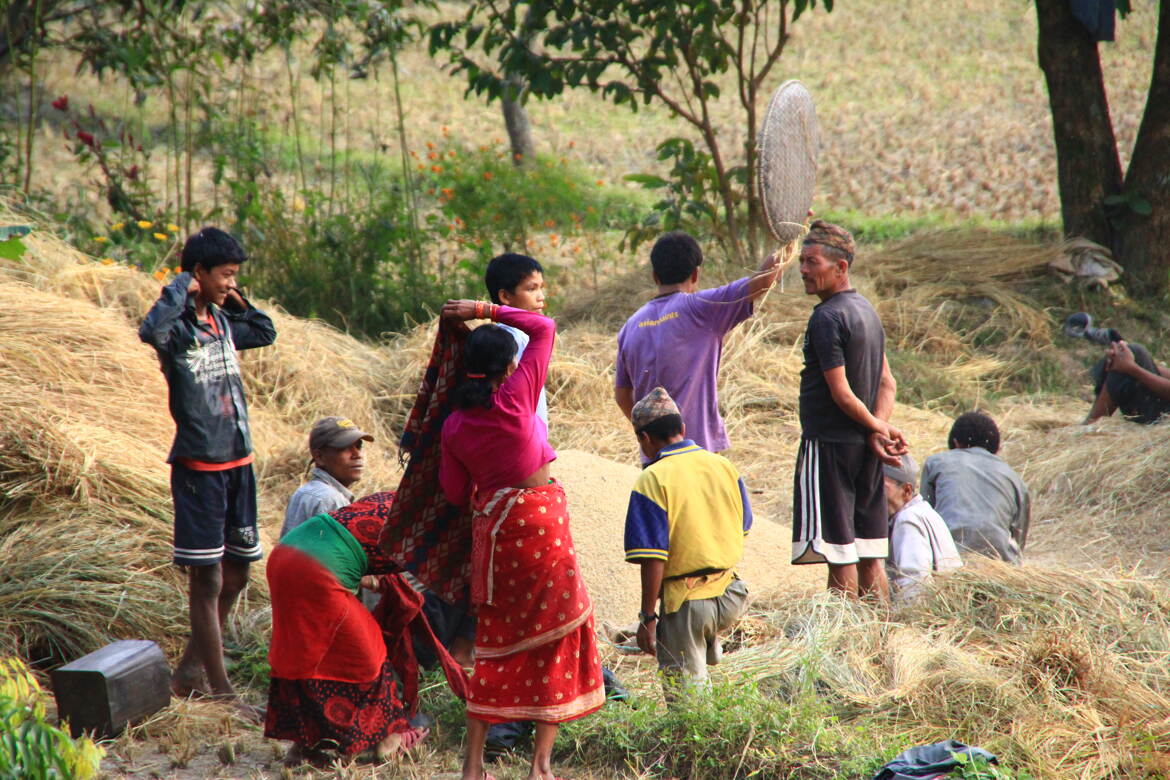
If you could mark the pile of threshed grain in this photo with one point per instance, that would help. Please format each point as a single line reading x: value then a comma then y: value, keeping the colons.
x: 598, y: 491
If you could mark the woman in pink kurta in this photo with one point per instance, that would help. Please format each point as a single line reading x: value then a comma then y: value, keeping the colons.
x: 535, y: 650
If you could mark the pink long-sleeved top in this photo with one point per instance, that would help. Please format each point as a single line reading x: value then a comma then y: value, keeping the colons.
x: 500, y: 447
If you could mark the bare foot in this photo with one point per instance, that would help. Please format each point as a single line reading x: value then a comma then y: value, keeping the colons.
x: 394, y: 745
x: 188, y: 685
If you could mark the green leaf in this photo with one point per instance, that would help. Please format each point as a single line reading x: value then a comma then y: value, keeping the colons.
x: 12, y: 249
x: 647, y: 180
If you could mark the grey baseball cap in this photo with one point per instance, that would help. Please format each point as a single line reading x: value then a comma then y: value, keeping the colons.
x: 907, y: 473
x: 337, y: 432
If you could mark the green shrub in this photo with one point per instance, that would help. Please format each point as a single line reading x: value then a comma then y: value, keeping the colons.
x: 30, y: 747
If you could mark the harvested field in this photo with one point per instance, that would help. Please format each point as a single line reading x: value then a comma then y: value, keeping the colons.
x: 1059, y: 670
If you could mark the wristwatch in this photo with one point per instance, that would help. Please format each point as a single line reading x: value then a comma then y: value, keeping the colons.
x: 643, y: 618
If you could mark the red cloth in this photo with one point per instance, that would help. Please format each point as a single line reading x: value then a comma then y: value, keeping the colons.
x: 501, y: 446
x: 320, y: 631
x: 535, y: 649
x: 400, y: 614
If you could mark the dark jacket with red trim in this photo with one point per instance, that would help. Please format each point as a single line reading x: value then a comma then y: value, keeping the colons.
x: 204, y: 387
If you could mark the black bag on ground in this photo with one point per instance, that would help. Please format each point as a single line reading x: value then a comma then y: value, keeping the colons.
x: 930, y: 761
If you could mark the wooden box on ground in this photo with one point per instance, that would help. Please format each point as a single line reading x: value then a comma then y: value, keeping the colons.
x: 103, y: 691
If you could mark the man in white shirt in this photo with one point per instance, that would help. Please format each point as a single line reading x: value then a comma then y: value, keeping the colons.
x: 920, y: 542
x: 335, y: 445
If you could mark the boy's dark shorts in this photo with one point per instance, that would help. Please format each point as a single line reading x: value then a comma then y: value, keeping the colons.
x: 215, y: 515
x: 839, y: 512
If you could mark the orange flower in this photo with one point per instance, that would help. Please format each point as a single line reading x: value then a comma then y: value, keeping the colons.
x: 451, y: 154
x: 577, y: 248
x: 107, y: 261
x: 483, y: 148
x: 564, y: 161
x: 444, y: 130
x: 160, y: 236
x: 599, y: 182
x: 414, y: 154
x: 422, y: 167
x: 517, y: 156
x: 487, y: 175
x: 553, y: 239
x: 448, y: 192
x: 572, y: 144
x: 430, y: 145
x: 100, y: 239
x: 178, y: 269
x: 160, y: 274
x: 458, y: 222
x: 433, y: 156
x: 549, y: 223
x: 431, y: 191
x: 436, y: 169
x: 496, y: 141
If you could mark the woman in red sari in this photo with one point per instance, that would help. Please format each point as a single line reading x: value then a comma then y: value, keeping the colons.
x: 333, y: 685
x: 535, y: 650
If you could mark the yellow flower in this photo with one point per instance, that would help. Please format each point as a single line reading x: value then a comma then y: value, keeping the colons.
x: 100, y: 239
x: 142, y: 223
x: 161, y: 236
x: 107, y: 261
x: 173, y: 228
x: 117, y: 226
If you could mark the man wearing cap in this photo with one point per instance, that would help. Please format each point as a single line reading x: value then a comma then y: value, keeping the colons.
x: 335, y: 444
x: 687, y: 517
x: 846, y: 397
x: 920, y: 542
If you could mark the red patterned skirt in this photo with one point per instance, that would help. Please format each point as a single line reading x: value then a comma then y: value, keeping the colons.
x: 535, y: 648
x: 332, y: 686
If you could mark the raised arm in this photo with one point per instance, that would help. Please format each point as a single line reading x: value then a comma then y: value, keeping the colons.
x: 1121, y: 360
x: 765, y: 276
x: 159, y: 324
x: 251, y: 327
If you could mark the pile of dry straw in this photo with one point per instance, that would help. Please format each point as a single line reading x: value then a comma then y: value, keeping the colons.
x: 1065, y: 671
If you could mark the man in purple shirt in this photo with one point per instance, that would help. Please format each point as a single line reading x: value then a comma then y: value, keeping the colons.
x: 676, y: 339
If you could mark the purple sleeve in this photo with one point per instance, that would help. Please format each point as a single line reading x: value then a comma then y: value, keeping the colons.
x: 826, y: 335
x: 722, y: 308
x: 521, y: 391
x: 620, y: 371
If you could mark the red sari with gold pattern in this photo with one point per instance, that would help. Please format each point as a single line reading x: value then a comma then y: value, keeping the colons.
x: 535, y: 648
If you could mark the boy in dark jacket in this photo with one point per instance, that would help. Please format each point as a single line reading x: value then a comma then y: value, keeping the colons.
x: 196, y: 326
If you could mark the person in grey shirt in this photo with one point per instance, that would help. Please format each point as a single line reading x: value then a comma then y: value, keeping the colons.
x: 335, y: 444
x: 980, y: 497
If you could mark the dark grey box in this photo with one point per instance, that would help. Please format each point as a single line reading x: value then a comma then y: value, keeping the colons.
x: 103, y: 691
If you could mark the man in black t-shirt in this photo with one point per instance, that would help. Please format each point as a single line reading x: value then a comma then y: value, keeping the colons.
x: 839, y: 513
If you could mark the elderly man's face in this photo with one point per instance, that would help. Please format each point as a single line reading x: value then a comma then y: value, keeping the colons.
x: 898, y: 494
x: 820, y: 272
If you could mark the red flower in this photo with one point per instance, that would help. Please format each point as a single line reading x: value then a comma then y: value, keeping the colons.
x: 85, y: 138
x: 61, y: 103
x: 132, y: 174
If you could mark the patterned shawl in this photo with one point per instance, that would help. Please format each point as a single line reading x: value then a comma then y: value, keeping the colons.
x: 424, y: 533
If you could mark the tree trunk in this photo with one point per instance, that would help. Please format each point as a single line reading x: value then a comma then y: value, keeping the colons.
x: 1088, y: 167
x: 1143, y: 240
x: 516, y: 120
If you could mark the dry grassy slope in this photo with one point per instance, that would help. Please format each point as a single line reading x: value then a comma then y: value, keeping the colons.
x: 925, y: 107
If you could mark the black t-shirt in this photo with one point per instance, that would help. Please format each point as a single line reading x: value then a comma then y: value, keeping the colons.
x: 842, y: 331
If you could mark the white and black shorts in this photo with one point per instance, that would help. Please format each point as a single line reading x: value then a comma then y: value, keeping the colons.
x: 839, y: 512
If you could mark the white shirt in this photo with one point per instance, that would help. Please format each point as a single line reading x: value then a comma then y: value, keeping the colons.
x: 920, y: 544
x: 322, y: 493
